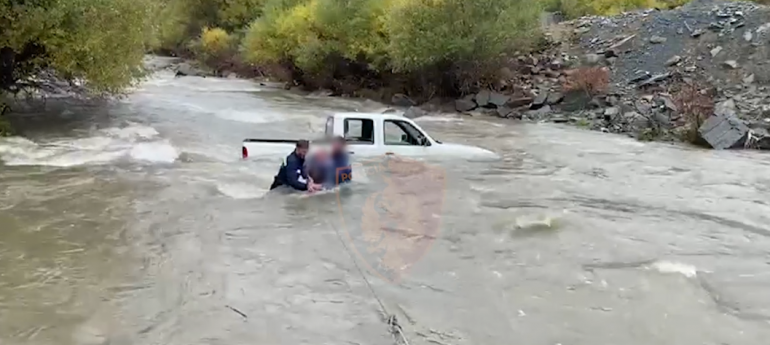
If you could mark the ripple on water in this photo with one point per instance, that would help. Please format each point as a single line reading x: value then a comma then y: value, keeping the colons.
x: 134, y: 142
x: 684, y: 269
x: 241, y: 190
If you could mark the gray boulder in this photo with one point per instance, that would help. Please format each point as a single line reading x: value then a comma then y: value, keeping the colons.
x: 482, y: 98
x: 724, y: 130
x: 554, y: 98
x: 414, y: 112
x: 185, y: 69
x: 504, y: 112
x: 725, y: 108
x: 540, y: 99
x: 539, y: 114
x: 498, y: 99
x: 635, y: 122
x: 401, y: 100
x: 465, y: 104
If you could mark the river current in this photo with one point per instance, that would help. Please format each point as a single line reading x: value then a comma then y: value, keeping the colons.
x: 136, y: 222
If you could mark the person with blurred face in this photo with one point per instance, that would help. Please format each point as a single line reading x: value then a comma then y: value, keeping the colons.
x: 341, y: 161
x: 292, y: 171
x: 330, y: 168
x: 320, y: 168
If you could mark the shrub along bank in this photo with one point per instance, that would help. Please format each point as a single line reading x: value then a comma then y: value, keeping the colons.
x: 422, y: 48
x: 99, y: 42
x: 418, y: 47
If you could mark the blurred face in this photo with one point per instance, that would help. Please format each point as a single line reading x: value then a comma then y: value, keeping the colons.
x: 338, y: 146
x: 301, y: 152
x: 322, y: 154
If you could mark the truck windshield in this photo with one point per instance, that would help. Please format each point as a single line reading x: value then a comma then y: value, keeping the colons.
x: 402, y: 133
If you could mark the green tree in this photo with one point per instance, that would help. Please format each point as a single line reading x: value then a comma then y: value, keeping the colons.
x: 308, y: 32
x: 181, y: 22
x: 100, y: 42
x: 428, y: 32
x: 235, y: 15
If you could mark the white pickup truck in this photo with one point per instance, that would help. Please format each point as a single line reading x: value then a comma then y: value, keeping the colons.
x: 372, y: 134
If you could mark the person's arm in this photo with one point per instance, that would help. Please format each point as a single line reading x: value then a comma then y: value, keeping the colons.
x: 309, y: 165
x: 295, y: 172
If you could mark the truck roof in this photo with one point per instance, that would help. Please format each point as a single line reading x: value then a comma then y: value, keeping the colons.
x: 369, y: 116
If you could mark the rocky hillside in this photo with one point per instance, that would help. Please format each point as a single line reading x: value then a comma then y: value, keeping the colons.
x: 697, y: 73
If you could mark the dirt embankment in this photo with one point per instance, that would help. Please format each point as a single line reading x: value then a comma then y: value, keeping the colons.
x: 697, y: 73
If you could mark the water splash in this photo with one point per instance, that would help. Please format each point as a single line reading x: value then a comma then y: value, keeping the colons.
x: 242, y: 191
x: 134, y: 142
x: 664, y: 266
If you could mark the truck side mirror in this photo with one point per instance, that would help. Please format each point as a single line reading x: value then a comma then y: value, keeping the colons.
x: 424, y: 141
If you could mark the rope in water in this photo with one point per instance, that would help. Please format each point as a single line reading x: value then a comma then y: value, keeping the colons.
x: 393, y: 326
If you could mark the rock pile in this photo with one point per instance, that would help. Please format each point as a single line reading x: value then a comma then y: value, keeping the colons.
x: 722, y: 44
x: 531, y: 94
x: 649, y: 55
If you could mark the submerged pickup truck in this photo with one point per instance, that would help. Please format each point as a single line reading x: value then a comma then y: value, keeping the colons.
x: 372, y: 134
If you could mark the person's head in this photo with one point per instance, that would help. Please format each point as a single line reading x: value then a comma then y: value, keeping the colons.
x: 321, y: 154
x: 338, y: 144
x: 302, y: 147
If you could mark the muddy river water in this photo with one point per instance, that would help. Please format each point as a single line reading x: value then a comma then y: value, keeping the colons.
x: 136, y: 222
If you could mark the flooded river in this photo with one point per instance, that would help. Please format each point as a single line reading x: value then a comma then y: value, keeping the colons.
x: 136, y: 222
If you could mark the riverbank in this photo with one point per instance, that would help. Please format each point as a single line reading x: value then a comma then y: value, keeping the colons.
x: 693, y: 74
x: 653, y: 75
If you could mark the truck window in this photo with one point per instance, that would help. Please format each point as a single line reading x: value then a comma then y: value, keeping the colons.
x: 359, y: 131
x: 401, y: 133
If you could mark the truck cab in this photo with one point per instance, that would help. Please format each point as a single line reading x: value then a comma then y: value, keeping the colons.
x: 380, y: 134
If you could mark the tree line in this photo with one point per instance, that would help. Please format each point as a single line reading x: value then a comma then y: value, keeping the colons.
x: 420, y: 47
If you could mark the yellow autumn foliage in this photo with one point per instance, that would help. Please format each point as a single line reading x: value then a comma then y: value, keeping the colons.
x: 215, y: 42
x: 391, y: 34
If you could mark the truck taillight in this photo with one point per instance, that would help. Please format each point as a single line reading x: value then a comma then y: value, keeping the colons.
x: 244, y: 152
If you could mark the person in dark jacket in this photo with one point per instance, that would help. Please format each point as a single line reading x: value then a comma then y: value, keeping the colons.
x: 292, y: 172
x: 341, y: 160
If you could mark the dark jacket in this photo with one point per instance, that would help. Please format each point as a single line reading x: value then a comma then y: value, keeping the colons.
x: 292, y: 173
x: 344, y: 172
